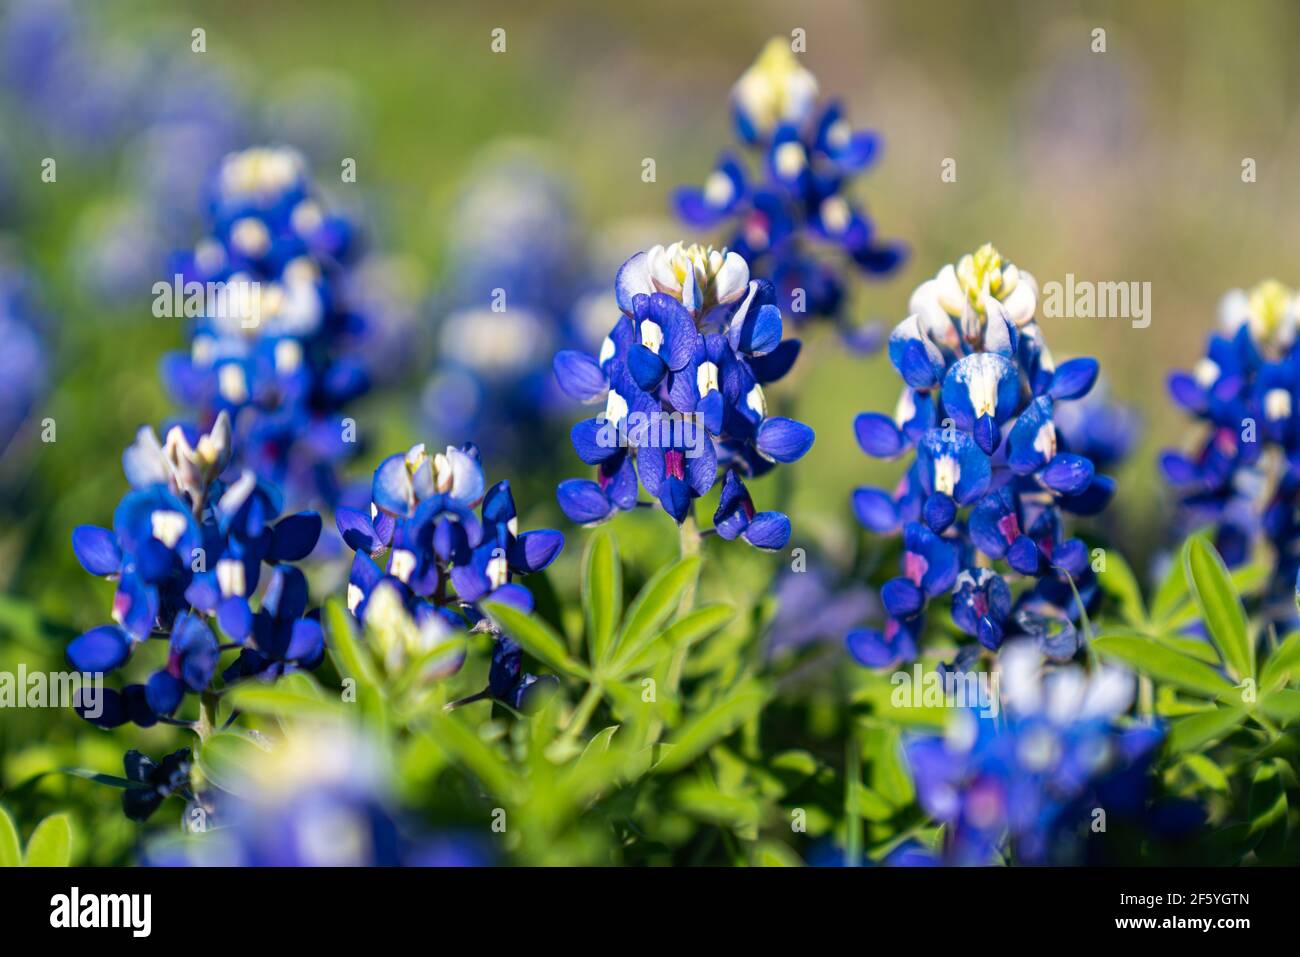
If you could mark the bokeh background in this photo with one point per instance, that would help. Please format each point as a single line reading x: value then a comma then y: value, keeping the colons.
x: 1117, y: 166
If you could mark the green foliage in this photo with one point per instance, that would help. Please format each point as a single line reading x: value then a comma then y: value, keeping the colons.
x: 50, y: 844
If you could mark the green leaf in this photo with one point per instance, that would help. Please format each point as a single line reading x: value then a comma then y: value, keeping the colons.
x: 775, y: 854
x: 227, y: 760
x: 1217, y: 597
x: 703, y: 731
x: 1164, y: 664
x: 51, y: 843
x: 602, y: 595
x: 10, y: 849
x: 685, y: 632
x: 1194, y: 730
x: 537, y: 638
x: 1119, y: 582
x: 1171, y: 594
x: 350, y: 657
x: 1282, y: 705
x: 280, y: 701
x: 1267, y: 807
x: 870, y: 805
x: 655, y: 604
x: 1283, y: 664
x: 1207, y: 772
x: 463, y: 746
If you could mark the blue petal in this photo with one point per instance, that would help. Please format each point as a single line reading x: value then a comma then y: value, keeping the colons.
x: 768, y: 530
x: 784, y: 440
x: 392, y: 490
x: 869, y: 648
x: 1074, y: 379
x: 901, y: 597
x: 675, y: 496
x: 96, y: 549
x: 776, y: 363
x: 1068, y: 473
x: 306, y: 643
x: 235, y: 618
x: 680, y: 335
x: 357, y: 531
x: 646, y: 367
x: 583, y: 501
x: 294, y: 536
x: 579, y: 375
x: 877, y: 434
x: 875, y: 509
x: 533, y: 551
x: 633, y: 279
x: 100, y: 649
x: 163, y: 692
x: 595, y: 440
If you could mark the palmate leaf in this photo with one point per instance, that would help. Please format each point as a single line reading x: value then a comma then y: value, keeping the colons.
x: 462, y: 745
x: 1282, y: 705
x: 683, y: 633
x: 1164, y: 664
x: 51, y: 843
x: 654, y: 605
x: 1220, y: 605
x: 699, y: 733
x: 602, y: 595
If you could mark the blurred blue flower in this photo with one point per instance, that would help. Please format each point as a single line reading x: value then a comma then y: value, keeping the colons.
x: 275, y: 343
x: 681, y: 375
x: 988, y: 482
x: 794, y: 222
x: 1029, y: 781
x: 24, y: 361
x: 186, y: 550
x: 515, y: 271
x: 1243, y: 477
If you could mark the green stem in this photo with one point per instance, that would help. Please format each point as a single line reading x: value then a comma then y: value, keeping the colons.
x: 586, y: 708
x: 207, y: 724
x: 852, y: 781
x: 690, y: 545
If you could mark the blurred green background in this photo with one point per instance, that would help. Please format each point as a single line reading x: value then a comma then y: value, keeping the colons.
x: 1117, y: 166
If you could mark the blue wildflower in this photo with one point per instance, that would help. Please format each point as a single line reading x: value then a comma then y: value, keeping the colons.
x: 1026, y: 781
x: 186, y: 549
x: 276, y: 346
x: 446, y: 543
x: 988, y: 482
x: 1241, y: 479
x: 794, y: 222
x: 681, y: 375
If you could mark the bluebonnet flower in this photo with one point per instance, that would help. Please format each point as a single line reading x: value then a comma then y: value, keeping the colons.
x: 988, y: 483
x: 154, y: 782
x: 681, y: 375
x: 186, y: 549
x: 278, y: 349
x: 1242, y: 477
x: 1026, y: 781
x: 320, y: 796
x: 516, y: 265
x: 794, y: 221
x: 441, y: 558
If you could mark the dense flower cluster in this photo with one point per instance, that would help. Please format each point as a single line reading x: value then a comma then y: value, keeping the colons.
x: 1243, y: 477
x: 991, y: 477
x: 441, y: 558
x: 186, y: 549
x: 1028, y: 781
x: 275, y: 343
x: 794, y: 222
x: 682, y: 375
